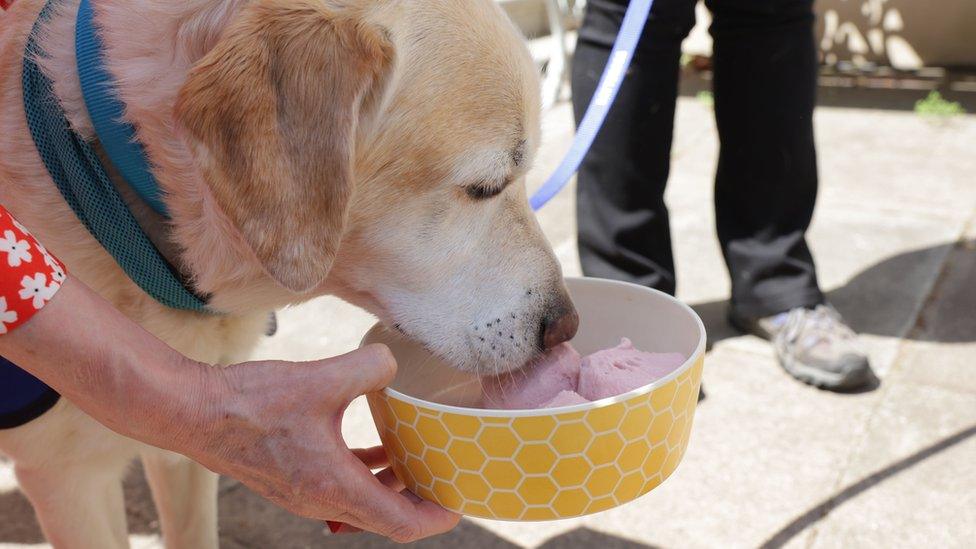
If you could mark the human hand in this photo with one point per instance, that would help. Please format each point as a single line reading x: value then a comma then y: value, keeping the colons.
x: 275, y: 426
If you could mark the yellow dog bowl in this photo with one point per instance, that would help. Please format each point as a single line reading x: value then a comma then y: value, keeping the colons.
x: 554, y: 463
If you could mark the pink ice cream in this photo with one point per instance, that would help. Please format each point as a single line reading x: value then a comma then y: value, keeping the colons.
x: 565, y: 398
x: 563, y: 378
x: 536, y: 384
x: 615, y: 371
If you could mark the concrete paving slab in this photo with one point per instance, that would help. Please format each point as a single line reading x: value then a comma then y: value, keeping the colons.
x: 910, y: 482
x: 893, y: 162
x: 897, y: 163
x: 948, y: 366
x: 766, y: 451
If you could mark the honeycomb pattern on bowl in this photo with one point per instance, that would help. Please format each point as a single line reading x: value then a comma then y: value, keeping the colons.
x: 540, y: 467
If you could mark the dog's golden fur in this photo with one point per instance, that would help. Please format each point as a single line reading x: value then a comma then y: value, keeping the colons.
x: 305, y: 148
x: 256, y: 105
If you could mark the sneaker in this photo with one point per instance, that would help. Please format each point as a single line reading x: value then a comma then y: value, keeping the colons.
x: 814, y: 346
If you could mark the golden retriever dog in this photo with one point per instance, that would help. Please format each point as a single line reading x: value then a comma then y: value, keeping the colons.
x: 372, y: 150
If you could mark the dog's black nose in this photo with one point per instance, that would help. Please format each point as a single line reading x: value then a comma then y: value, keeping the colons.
x: 560, y: 323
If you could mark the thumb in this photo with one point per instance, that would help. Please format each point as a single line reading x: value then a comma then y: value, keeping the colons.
x: 370, y: 368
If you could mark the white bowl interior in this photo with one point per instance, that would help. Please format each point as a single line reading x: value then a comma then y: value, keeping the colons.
x: 609, y: 310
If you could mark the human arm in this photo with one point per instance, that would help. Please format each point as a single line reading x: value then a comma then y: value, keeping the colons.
x: 272, y: 425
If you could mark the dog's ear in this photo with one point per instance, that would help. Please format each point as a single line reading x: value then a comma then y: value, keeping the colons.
x: 271, y: 114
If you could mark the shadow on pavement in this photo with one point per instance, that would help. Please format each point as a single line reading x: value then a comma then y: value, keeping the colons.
x: 249, y: 521
x: 584, y: 537
x: 874, y: 301
x: 824, y: 508
x: 17, y: 522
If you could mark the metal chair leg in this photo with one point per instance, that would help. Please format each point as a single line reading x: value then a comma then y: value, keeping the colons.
x: 557, y: 71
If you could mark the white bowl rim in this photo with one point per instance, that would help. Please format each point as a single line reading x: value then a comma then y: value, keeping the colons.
x: 603, y: 402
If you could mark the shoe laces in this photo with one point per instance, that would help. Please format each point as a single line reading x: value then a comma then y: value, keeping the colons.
x: 822, y: 324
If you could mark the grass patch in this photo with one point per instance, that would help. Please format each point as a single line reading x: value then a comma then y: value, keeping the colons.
x: 707, y: 99
x: 937, y: 106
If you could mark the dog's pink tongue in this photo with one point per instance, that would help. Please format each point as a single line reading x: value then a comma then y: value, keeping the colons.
x: 536, y: 385
x: 615, y: 371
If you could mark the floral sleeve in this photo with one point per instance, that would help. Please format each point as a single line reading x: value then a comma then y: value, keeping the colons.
x: 29, y: 274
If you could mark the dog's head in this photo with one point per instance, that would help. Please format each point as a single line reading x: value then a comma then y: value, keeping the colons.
x: 379, y: 153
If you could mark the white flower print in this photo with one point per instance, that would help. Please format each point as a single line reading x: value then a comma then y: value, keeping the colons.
x: 57, y: 272
x: 18, y: 251
x: 6, y: 317
x: 37, y: 289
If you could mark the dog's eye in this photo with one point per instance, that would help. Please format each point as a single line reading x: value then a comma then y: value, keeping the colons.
x: 484, y: 191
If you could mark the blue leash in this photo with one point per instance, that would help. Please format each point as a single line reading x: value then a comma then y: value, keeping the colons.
x: 107, y: 112
x: 636, y: 17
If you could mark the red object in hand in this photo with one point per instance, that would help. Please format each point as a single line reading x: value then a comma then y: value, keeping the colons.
x: 4, y: 4
x: 29, y: 274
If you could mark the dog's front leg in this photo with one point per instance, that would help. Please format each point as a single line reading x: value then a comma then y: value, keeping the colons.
x: 185, y: 494
x: 78, y: 507
x: 70, y: 468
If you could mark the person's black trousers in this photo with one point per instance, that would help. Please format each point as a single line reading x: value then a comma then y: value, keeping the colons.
x: 765, y: 72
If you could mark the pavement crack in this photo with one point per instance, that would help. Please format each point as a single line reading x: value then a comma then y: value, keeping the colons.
x: 892, y: 378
